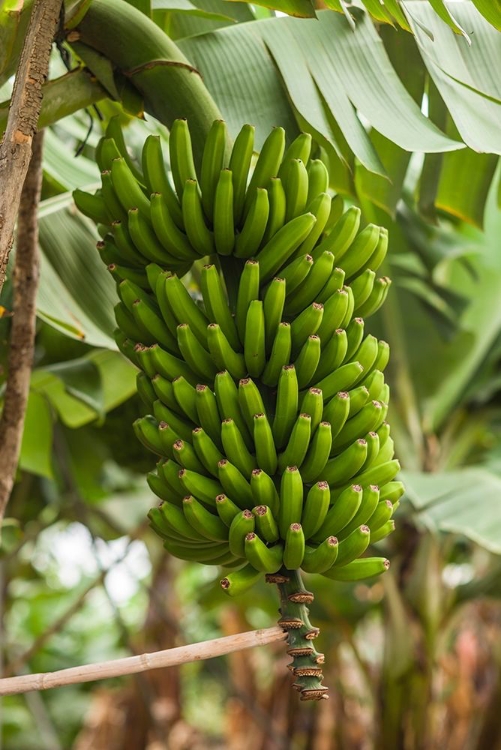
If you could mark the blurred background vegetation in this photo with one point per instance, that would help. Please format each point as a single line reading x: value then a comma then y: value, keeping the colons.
x: 413, y: 660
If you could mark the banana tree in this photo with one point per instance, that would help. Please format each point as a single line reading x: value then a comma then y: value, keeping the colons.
x: 367, y: 164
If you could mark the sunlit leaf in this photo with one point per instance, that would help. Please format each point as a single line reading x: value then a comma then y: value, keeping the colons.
x: 36, y: 446
x: 466, y: 502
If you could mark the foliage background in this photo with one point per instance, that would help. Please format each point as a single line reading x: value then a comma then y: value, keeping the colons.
x: 414, y: 660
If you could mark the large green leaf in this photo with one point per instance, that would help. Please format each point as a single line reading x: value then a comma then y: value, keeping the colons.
x: 82, y: 390
x: 350, y: 69
x: 76, y: 294
x: 466, y: 502
x: 36, y: 446
x: 466, y: 76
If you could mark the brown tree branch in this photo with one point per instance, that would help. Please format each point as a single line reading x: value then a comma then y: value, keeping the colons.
x: 16, y: 146
x: 22, y: 340
x: 134, y: 664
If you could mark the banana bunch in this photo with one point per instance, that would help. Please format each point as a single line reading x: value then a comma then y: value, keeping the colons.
x: 266, y: 401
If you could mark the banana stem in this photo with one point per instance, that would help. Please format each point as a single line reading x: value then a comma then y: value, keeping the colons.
x: 306, y: 660
x: 152, y: 62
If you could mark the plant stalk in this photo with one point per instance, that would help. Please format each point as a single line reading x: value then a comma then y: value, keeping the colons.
x: 306, y: 660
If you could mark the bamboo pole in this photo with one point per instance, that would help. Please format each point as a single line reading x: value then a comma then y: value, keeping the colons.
x: 142, y: 663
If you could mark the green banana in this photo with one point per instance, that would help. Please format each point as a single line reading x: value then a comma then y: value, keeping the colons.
x: 168, y: 233
x: 266, y: 524
x: 226, y: 508
x: 318, y: 179
x: 194, y: 354
x: 340, y: 380
x: 370, y: 500
x: 113, y: 206
x: 376, y: 298
x: 170, y: 366
x: 295, y: 272
x: 321, y: 558
x: 379, y: 475
x: 125, y: 246
x: 203, y: 521
x: 250, y: 401
x: 146, y: 430
x: 145, y: 240
x: 316, y: 506
x: 199, y: 235
x: 362, y: 288
x: 334, y: 284
x: 341, y: 235
x: 381, y: 515
x: 291, y: 499
x: 345, y: 465
x: 286, y: 405
x: 264, y: 491
x: 145, y: 390
x: 223, y: 355
x: 273, y: 306
x: 358, y: 398
x: 298, y: 444
x: 333, y: 354
x: 307, y: 362
x: 203, y: 488
x: 341, y: 512
x: 183, y: 306
x: 223, y: 221
x: 235, y: 484
x: 248, y: 290
x: 249, y: 240
x: 276, y: 216
x: 308, y: 290
x: 208, y: 413
x: 267, y: 165
x: 179, y: 424
x: 239, y: 581
x: 294, y: 547
x: 296, y: 189
x: 282, y: 245
x: 206, y: 450
x: 300, y: 148
x: 304, y: 325
x: 335, y: 310
x: 353, y: 546
x: 354, y: 259
x: 312, y: 403
x: 366, y: 567
x: 185, y: 395
x: 240, y: 160
x: 227, y: 398
x: 355, y: 335
x: 255, y: 341
x: 367, y: 419
x: 127, y: 189
x: 235, y: 449
x: 212, y: 164
x: 92, y: 206
x: 318, y: 453
x: 263, y: 558
x: 157, y: 180
x: 266, y: 453
x: 243, y: 524
x: 383, y: 531
x: 181, y: 451
x: 181, y: 156
x: 320, y: 207
x: 216, y: 304
x: 280, y: 355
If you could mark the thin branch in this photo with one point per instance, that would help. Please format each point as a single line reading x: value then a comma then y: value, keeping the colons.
x: 134, y: 664
x: 22, y: 339
x: 15, y: 149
